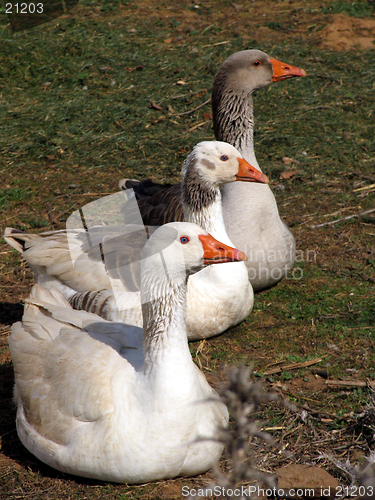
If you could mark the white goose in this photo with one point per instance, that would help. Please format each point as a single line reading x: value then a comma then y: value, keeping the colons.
x: 250, y: 212
x: 94, y: 403
x: 218, y: 296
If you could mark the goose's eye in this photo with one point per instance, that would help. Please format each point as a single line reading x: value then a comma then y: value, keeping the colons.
x: 224, y: 158
x: 257, y: 63
x: 184, y: 239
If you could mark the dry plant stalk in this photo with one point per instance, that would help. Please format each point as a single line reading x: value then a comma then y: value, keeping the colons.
x: 242, y: 397
x: 363, y: 474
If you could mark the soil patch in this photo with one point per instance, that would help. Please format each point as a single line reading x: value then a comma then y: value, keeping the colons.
x: 344, y: 33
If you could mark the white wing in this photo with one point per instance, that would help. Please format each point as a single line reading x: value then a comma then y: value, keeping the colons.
x: 65, y: 362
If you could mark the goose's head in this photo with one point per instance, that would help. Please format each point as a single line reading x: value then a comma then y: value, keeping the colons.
x: 219, y: 163
x: 179, y: 249
x: 249, y: 70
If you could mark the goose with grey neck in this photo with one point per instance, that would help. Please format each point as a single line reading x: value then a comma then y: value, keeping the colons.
x: 251, y: 216
x: 92, y: 401
x: 218, y: 296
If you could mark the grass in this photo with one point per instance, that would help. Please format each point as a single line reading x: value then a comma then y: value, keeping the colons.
x: 76, y: 116
x: 355, y: 9
x: 11, y: 196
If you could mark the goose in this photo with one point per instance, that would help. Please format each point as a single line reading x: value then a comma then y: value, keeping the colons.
x: 267, y: 241
x: 94, y: 401
x: 218, y: 296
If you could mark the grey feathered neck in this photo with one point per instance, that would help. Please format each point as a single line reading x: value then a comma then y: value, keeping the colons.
x: 197, y: 192
x: 233, y: 116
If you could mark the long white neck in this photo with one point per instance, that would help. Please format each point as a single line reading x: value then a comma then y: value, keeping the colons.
x: 164, y: 319
x: 209, y: 217
x: 202, y: 203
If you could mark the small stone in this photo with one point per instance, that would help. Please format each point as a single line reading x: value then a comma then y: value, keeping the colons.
x: 311, y: 482
x: 287, y: 161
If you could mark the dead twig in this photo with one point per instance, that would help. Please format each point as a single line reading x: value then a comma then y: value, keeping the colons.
x: 357, y: 174
x: 292, y: 366
x: 91, y: 194
x: 344, y: 218
x: 350, y: 383
x: 364, y: 188
x: 49, y: 213
x: 63, y: 213
x: 218, y: 43
x: 366, y: 193
x: 197, y: 126
x: 195, y: 109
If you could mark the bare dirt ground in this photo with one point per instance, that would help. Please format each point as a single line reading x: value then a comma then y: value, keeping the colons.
x: 23, y: 477
x: 344, y: 33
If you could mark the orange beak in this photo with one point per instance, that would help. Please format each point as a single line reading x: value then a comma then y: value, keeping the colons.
x: 282, y: 71
x: 248, y: 173
x: 218, y: 253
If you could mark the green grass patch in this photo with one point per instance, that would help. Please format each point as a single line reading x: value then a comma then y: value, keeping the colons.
x: 11, y: 196
x: 355, y: 9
